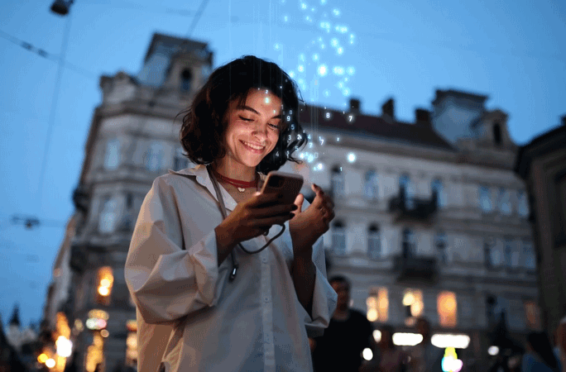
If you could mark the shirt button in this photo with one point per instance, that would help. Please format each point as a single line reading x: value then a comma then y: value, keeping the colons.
x: 266, y: 299
x: 264, y: 259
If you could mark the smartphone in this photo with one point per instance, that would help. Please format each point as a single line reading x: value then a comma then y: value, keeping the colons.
x: 287, y: 184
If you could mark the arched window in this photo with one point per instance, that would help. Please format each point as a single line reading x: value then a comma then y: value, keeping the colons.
x: 112, y: 154
x: 485, y: 199
x: 180, y: 161
x: 108, y: 216
x: 438, y: 188
x: 186, y: 80
x: 406, y: 187
x: 337, y: 182
x: 374, y: 242
x: 497, y: 133
x: 371, y: 185
x: 504, y: 201
x: 409, y: 246
x: 154, y: 157
x: 338, y: 238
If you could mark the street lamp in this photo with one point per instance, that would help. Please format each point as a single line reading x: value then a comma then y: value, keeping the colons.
x: 61, y: 7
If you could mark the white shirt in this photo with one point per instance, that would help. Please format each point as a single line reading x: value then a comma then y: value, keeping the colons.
x: 254, y: 323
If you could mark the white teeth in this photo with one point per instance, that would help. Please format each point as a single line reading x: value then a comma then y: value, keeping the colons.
x: 253, y: 146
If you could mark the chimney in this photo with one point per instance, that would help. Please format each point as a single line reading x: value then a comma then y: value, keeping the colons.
x: 355, y: 105
x: 388, y: 108
x: 422, y: 117
x: 564, y: 120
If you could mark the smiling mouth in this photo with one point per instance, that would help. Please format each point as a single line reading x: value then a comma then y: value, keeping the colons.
x: 253, y: 148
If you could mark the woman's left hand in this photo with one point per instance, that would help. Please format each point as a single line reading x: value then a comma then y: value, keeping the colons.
x: 309, y: 225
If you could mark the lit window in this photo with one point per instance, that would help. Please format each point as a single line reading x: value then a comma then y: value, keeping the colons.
x: 112, y: 154
x: 338, y: 238
x: 131, y: 343
x: 377, y: 305
x: 374, y: 242
x: 440, y: 243
x: 447, y: 309
x: 511, y: 254
x: 532, y: 315
x: 522, y: 204
x: 186, y: 80
x: 504, y: 202
x: 95, y: 352
x: 154, y: 157
x: 104, y: 283
x: 413, y: 304
x: 409, y: 246
x: 485, y: 199
x: 438, y: 188
x: 529, y: 257
x: 371, y: 186
x: 180, y: 161
x: 407, y: 189
x: 108, y: 216
x: 337, y: 182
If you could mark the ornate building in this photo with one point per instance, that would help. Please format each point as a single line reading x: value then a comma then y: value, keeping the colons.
x: 430, y: 218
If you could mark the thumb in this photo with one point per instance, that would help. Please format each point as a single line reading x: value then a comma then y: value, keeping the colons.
x: 299, y: 202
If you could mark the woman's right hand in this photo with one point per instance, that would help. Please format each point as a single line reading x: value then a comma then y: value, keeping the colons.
x: 249, y: 219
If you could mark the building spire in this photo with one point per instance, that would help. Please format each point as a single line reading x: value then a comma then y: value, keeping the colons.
x: 15, y: 319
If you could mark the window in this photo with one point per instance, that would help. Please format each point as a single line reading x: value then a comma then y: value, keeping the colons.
x: 440, y: 244
x: 377, y: 305
x: 108, y: 216
x: 532, y: 315
x: 491, y: 254
x: 511, y: 254
x: 371, y: 186
x: 337, y: 182
x: 437, y: 188
x: 407, y: 190
x: 447, y: 309
x: 374, y: 243
x: 409, y: 247
x: 154, y: 157
x: 180, y: 161
x: 413, y: 304
x: 112, y: 154
x: 485, y: 199
x: 338, y: 239
x: 504, y: 201
x: 529, y: 257
x: 497, y: 133
x: 186, y: 80
x: 522, y: 204
x: 105, y: 282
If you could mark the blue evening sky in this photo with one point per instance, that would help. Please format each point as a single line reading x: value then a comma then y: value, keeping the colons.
x: 512, y: 51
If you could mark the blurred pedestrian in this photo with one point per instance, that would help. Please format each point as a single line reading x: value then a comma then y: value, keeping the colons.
x: 560, y: 349
x: 349, y: 333
x: 209, y: 296
x: 425, y: 357
x: 390, y: 357
x: 539, y: 356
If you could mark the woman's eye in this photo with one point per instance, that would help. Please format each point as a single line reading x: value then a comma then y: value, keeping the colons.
x: 245, y: 119
x: 274, y: 126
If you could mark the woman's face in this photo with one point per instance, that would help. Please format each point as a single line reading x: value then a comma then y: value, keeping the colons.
x: 253, y: 128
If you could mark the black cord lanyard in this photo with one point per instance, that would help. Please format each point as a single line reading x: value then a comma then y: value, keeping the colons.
x: 224, y: 214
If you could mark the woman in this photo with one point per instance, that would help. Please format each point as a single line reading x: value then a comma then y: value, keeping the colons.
x: 391, y: 358
x: 539, y: 356
x: 184, y: 253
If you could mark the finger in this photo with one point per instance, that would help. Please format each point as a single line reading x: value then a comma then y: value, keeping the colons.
x: 273, y: 210
x: 262, y: 199
x: 270, y: 221
x: 299, y: 202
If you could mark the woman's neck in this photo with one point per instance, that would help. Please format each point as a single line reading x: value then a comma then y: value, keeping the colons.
x: 232, y: 169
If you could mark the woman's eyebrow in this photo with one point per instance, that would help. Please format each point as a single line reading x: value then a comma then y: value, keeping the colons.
x: 248, y: 108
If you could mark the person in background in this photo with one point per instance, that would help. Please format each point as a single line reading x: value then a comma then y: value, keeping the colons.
x: 390, y: 357
x: 425, y: 357
x: 539, y: 356
x: 348, y: 334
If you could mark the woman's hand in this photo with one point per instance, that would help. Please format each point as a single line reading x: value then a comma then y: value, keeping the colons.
x: 309, y: 225
x: 249, y: 219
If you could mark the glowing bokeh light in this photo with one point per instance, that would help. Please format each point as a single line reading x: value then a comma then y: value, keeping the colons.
x: 493, y: 350
x: 407, y: 339
x: 50, y: 363
x: 367, y: 354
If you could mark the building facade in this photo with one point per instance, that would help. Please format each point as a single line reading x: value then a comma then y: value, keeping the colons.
x: 430, y: 218
x: 542, y: 164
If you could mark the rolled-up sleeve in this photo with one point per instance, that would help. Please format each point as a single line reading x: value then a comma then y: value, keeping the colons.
x: 166, y: 281
x: 323, y: 298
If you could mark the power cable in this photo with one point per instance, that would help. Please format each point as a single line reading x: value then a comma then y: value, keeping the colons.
x: 197, y: 17
x: 54, y: 103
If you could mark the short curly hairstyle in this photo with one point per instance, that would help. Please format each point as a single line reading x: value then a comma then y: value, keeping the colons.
x: 204, y: 125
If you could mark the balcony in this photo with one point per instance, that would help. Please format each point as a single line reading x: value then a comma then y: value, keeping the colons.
x: 414, y: 267
x: 413, y: 208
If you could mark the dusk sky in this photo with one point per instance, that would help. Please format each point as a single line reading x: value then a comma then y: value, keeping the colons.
x: 512, y: 51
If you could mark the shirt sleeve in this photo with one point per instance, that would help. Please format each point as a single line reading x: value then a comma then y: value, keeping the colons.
x: 166, y: 281
x: 323, y: 298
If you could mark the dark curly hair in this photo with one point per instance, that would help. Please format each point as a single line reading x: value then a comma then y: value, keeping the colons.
x: 203, y: 128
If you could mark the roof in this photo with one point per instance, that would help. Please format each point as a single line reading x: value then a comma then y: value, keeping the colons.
x: 173, y: 41
x: 418, y: 134
x: 548, y: 142
x: 441, y: 94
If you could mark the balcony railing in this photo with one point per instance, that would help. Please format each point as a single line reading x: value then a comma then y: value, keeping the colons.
x: 412, y: 207
x: 415, y: 267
